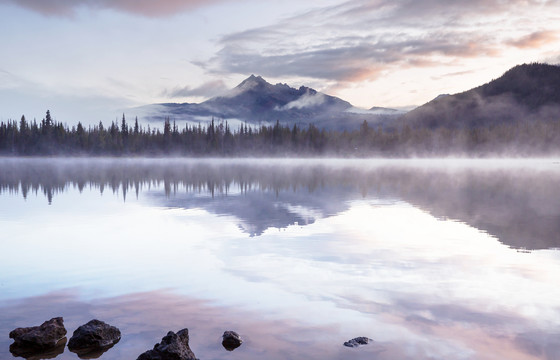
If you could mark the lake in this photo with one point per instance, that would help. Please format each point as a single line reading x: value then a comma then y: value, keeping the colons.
x: 432, y: 259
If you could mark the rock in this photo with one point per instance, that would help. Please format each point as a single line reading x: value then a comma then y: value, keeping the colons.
x: 39, y: 338
x: 35, y: 354
x: 231, y: 340
x: 355, y: 342
x: 93, y: 338
x: 172, y: 347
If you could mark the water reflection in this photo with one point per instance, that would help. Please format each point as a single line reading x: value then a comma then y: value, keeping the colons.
x: 92, y: 353
x: 30, y: 354
x: 144, y: 318
x: 517, y: 204
x: 296, y: 257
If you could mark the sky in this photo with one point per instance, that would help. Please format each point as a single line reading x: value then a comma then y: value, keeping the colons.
x: 92, y: 60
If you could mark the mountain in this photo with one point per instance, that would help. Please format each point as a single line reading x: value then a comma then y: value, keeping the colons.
x: 524, y: 93
x: 255, y: 101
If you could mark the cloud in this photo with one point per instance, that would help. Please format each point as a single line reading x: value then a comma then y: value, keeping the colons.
x: 396, y: 12
x: 147, y: 8
x: 306, y: 100
x: 208, y: 89
x: 322, y: 64
x: 535, y: 40
x: 360, y: 40
x: 355, y: 59
x: 453, y: 74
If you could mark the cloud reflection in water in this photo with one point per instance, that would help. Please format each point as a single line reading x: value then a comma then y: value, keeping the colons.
x: 145, y: 317
x: 408, y: 256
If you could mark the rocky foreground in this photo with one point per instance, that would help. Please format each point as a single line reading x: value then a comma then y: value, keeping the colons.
x: 92, y: 339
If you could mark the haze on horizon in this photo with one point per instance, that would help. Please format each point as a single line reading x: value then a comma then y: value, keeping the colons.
x: 91, y: 60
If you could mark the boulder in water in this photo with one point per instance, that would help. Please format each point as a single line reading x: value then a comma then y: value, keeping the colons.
x: 30, y: 353
x: 231, y: 340
x: 39, y: 338
x: 94, y: 337
x: 172, y: 347
x: 355, y: 342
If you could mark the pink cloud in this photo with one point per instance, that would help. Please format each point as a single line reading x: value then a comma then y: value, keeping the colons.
x: 535, y: 40
x: 148, y: 8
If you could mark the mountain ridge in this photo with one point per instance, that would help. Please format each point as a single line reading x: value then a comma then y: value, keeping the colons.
x: 526, y: 92
x: 256, y: 101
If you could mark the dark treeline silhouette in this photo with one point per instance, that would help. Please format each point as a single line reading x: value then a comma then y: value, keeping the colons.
x: 48, y: 137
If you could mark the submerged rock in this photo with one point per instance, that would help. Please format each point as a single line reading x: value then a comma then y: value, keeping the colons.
x: 172, y: 347
x: 38, y: 354
x: 39, y: 338
x: 355, y: 342
x: 231, y: 340
x: 93, y: 339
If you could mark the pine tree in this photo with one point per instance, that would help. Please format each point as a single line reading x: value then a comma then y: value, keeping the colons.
x: 48, y: 120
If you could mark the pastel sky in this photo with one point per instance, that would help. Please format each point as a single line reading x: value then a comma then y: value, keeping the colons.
x: 90, y: 60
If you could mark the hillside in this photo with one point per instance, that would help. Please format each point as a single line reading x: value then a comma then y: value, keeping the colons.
x: 525, y: 93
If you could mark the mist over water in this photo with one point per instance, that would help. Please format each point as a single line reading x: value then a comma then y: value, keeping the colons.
x: 433, y: 259
x: 515, y: 198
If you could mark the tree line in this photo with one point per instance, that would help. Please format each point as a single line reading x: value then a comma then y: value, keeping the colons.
x: 49, y: 137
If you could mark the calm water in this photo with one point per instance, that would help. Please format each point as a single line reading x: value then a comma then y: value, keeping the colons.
x: 442, y: 259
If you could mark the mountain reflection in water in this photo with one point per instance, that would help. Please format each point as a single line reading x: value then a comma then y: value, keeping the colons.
x: 517, y: 205
x: 298, y: 256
